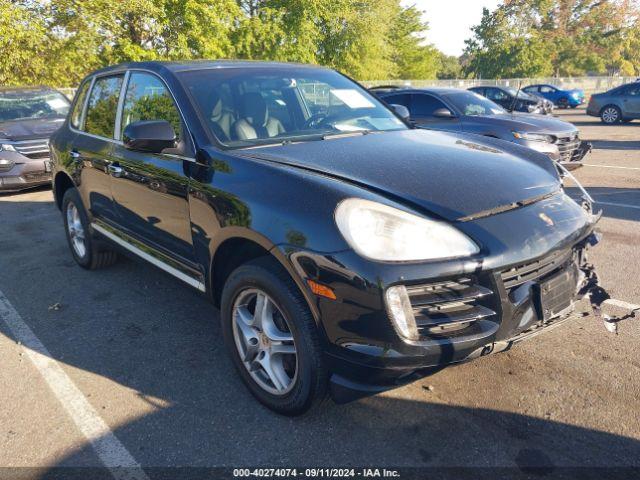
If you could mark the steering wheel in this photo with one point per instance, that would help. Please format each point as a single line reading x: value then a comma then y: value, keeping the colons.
x: 315, y: 120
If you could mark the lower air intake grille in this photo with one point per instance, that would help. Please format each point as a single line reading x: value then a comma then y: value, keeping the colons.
x: 447, y: 308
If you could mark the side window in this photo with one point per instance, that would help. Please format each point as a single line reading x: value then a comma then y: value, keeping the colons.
x: 103, y: 105
x: 81, y: 96
x: 424, y: 105
x: 495, y: 94
x: 147, y: 98
x: 633, y: 91
x: 547, y: 89
x: 402, y: 99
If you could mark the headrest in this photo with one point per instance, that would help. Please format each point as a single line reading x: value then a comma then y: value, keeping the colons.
x: 254, y: 109
x: 214, y: 104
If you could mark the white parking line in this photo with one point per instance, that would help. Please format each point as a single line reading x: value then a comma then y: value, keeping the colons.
x: 610, y: 166
x: 622, y: 304
x: 112, y: 453
x: 623, y: 205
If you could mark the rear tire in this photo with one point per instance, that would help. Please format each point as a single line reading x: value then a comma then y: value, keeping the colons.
x: 610, y: 115
x: 301, y: 383
x: 86, y: 251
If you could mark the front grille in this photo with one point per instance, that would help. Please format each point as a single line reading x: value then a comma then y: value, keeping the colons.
x: 38, y: 148
x: 568, y: 146
x: 450, y: 307
x: 537, y: 269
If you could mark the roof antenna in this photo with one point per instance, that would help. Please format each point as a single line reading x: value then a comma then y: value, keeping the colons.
x: 515, y: 99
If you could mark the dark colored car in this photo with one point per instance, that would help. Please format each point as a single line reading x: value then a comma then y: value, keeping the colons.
x: 347, y: 251
x: 28, y: 117
x: 620, y: 104
x: 457, y: 110
x: 562, y: 98
x: 511, y: 99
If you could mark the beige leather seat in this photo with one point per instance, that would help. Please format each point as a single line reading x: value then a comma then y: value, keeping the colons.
x: 255, y: 121
x: 220, y: 119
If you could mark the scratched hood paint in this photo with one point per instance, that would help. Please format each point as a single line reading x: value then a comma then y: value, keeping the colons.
x: 450, y: 175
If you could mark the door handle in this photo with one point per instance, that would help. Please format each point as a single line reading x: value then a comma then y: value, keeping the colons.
x: 115, y: 171
x: 75, y: 155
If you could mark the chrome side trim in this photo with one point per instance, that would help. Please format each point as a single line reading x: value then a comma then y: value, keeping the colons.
x: 194, y: 282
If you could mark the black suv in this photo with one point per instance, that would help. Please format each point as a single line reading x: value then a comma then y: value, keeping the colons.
x: 347, y: 251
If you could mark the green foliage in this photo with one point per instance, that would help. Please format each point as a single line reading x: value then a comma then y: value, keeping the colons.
x: 529, y: 38
x: 59, y: 41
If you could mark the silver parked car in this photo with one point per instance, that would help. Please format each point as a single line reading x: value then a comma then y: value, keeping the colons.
x: 621, y: 104
x: 28, y: 117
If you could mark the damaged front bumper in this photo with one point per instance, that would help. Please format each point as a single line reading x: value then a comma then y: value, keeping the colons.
x: 575, y: 161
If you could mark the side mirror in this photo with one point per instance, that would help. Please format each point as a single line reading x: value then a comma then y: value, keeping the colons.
x: 151, y: 136
x: 443, y: 113
x: 402, y: 111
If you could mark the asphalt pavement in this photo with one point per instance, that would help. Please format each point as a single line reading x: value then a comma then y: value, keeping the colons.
x: 126, y: 366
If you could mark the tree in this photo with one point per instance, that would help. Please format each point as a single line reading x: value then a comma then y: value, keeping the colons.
x: 551, y: 37
x: 23, y: 43
x: 413, y: 58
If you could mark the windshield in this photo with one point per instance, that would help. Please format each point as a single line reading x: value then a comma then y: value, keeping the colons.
x: 24, y: 105
x: 253, y: 106
x: 470, y: 103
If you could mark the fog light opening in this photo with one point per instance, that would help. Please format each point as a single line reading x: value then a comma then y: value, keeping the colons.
x: 401, y: 312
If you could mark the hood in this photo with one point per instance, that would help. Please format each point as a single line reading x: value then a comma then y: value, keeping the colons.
x: 29, y: 128
x: 450, y: 175
x: 524, y: 122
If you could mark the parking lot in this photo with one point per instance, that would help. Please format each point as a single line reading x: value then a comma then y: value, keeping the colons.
x: 126, y: 366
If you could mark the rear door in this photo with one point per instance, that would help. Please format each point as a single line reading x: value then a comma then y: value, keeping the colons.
x: 93, y: 145
x: 631, y: 102
x: 151, y: 190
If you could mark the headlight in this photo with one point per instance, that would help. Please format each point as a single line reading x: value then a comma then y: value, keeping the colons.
x: 386, y: 234
x: 534, y: 137
x: 575, y: 95
x: 7, y: 147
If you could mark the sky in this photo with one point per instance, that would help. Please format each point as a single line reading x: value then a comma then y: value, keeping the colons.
x: 450, y: 21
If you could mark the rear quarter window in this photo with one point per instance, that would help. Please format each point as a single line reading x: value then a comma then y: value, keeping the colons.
x: 78, y: 106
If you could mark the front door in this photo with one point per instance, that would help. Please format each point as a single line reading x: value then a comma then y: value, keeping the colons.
x: 423, y: 108
x: 150, y: 191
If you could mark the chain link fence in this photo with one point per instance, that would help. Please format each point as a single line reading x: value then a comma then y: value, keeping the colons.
x: 590, y: 85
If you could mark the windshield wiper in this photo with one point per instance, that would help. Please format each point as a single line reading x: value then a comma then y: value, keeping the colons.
x: 355, y: 133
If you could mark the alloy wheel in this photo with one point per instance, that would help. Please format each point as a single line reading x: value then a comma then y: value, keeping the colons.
x: 76, y: 230
x: 610, y: 115
x: 264, y: 341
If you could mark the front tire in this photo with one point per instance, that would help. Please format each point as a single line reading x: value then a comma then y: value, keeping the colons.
x: 85, y: 249
x: 610, y: 115
x: 272, y: 338
x: 563, y: 103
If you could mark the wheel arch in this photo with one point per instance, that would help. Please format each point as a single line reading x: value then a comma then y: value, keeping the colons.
x: 239, y: 246
x: 61, y: 183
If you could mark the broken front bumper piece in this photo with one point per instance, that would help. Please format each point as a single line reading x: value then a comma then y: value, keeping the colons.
x: 576, y: 159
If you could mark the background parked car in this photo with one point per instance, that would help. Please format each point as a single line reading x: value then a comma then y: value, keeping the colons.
x: 459, y: 110
x: 547, y: 105
x: 511, y: 99
x: 621, y: 104
x: 561, y: 98
x: 28, y: 117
